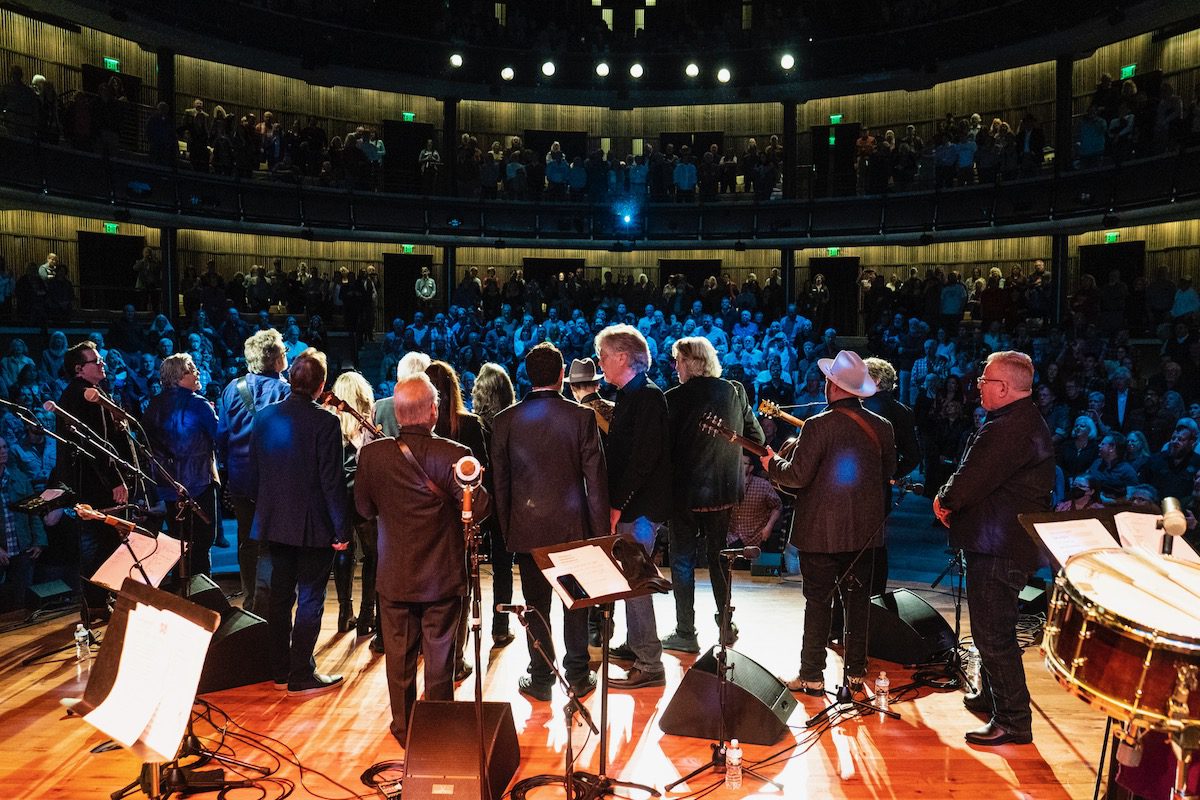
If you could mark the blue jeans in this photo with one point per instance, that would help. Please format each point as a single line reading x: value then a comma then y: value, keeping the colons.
x: 993, y: 585
x: 641, y: 628
x: 687, y: 531
x: 299, y: 574
x: 821, y: 572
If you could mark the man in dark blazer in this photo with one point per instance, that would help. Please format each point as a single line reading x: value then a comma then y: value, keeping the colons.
x: 385, y: 413
x: 300, y: 514
x: 550, y: 487
x: 421, y: 578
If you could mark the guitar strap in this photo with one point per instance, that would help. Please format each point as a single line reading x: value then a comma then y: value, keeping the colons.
x: 416, y: 465
x: 862, y: 423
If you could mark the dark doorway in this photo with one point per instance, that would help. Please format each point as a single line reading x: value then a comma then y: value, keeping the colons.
x: 1129, y: 258
x: 400, y: 273
x: 574, y: 143
x: 696, y: 142
x: 105, y: 271
x: 404, y: 142
x: 841, y: 276
x: 833, y: 159
x: 694, y: 269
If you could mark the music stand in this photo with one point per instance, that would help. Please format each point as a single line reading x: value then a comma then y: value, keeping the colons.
x: 605, y: 576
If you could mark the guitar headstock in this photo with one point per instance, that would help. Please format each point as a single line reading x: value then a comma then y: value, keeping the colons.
x: 767, y: 408
x: 711, y: 424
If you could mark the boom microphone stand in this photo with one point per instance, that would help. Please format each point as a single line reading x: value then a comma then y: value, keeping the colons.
x: 951, y: 674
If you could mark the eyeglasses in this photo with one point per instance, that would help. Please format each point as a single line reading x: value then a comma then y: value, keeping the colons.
x: 91, y: 361
x: 980, y: 381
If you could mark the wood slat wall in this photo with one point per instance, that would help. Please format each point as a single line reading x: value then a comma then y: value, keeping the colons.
x: 1178, y: 58
x: 27, y: 236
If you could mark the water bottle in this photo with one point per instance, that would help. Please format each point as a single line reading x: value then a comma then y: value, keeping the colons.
x: 882, y: 685
x: 971, y: 668
x: 83, y: 643
x: 733, y: 765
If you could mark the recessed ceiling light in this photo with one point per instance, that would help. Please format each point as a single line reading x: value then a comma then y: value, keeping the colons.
x: 692, y: 70
x: 602, y: 69
x: 507, y: 73
x: 723, y: 75
x: 456, y: 60
x: 636, y: 70
x: 548, y: 68
x: 787, y: 61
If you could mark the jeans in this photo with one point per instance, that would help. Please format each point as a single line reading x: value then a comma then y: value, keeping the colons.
x: 993, y: 586
x: 686, y: 530
x: 502, y: 577
x: 15, y: 580
x: 299, y: 575
x: 821, y: 572
x: 203, y: 534
x: 97, y: 542
x: 538, y: 594
x: 247, y: 550
x: 641, y: 628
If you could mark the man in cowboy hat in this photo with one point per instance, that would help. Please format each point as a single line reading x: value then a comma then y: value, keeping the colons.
x: 584, y: 381
x: 839, y: 466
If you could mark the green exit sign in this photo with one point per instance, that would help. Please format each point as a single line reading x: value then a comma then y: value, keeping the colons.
x: 1128, y: 71
x: 833, y: 252
x: 832, y: 140
x: 112, y: 64
x: 112, y: 227
x: 406, y: 248
x: 408, y: 116
x: 835, y: 119
x: 1112, y: 237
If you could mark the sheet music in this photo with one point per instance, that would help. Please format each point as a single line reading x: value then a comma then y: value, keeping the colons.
x: 157, y: 557
x: 186, y: 644
x: 593, y: 568
x: 1069, y: 537
x: 1142, y: 529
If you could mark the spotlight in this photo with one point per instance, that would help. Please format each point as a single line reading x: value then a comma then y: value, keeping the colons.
x: 602, y: 69
x: 628, y: 218
x: 723, y: 75
x: 456, y: 60
x: 548, y: 69
x: 507, y: 73
x: 787, y: 61
x: 635, y: 70
x: 692, y: 70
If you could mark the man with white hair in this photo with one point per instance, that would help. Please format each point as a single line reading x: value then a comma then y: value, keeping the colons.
x: 840, y: 466
x: 413, y: 363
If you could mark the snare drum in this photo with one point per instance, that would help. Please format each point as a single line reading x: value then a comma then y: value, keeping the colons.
x: 1126, y: 639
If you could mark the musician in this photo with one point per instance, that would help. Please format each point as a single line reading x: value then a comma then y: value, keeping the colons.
x: 385, y: 416
x: 1008, y: 469
x: 182, y: 428
x: 422, y: 552
x: 95, y: 479
x: 839, y: 465
x: 708, y: 480
x: 551, y: 487
x: 584, y: 381
x: 300, y: 516
x: 638, y: 452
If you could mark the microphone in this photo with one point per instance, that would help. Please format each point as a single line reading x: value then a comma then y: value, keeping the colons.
x: 1174, y: 523
x: 94, y: 395
x: 468, y: 471
x: 85, y: 511
x: 749, y: 553
x: 506, y: 608
x: 50, y: 405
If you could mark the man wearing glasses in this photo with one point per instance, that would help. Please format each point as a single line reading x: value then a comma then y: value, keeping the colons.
x: 1007, y: 469
x: 95, y: 479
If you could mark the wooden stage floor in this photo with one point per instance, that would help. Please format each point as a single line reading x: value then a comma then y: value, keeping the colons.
x: 45, y: 753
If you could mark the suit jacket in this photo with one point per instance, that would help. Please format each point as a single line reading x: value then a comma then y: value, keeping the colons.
x: 296, y: 475
x: 551, y: 485
x: 422, y: 553
x: 709, y: 472
x: 638, y: 452
x: 385, y: 416
x: 235, y: 423
x: 93, y: 477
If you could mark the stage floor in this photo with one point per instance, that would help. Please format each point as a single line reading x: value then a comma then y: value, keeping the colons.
x: 44, y: 753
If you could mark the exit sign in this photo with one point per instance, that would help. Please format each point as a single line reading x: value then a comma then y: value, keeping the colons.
x: 833, y: 252
x: 408, y: 116
x: 112, y: 64
x: 112, y: 227
x: 835, y: 119
x: 1112, y: 237
x: 832, y: 140
x: 1128, y: 71
x: 406, y: 248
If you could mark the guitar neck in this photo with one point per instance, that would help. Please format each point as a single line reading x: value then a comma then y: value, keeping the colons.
x: 749, y: 445
x: 789, y: 419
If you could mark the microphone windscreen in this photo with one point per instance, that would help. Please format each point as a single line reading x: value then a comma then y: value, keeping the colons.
x: 50, y: 405
x: 1174, y: 522
x: 91, y: 394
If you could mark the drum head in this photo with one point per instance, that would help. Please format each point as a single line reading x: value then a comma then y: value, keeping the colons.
x: 1124, y: 585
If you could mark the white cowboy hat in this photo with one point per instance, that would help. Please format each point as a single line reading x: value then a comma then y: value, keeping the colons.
x: 848, y: 372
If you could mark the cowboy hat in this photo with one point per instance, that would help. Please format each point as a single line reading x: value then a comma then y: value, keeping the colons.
x: 848, y: 372
x: 583, y: 370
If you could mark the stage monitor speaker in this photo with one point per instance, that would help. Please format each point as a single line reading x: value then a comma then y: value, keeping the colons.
x: 906, y: 630
x: 441, y: 758
x: 238, y: 654
x: 203, y: 591
x: 757, y: 704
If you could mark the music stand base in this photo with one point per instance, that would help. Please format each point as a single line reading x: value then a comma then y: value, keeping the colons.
x: 596, y: 786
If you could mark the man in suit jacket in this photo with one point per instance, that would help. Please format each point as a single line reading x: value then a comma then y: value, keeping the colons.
x: 300, y: 514
x: 421, y: 578
x: 385, y: 411
x: 550, y: 487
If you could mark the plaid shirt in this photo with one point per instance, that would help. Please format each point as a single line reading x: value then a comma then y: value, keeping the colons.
x: 749, y: 516
x: 11, y: 545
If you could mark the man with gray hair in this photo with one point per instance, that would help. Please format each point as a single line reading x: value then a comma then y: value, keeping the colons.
x: 1007, y: 470
x: 408, y: 484
x: 413, y: 363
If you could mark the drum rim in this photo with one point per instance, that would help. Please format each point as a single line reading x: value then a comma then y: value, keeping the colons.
x: 1120, y: 709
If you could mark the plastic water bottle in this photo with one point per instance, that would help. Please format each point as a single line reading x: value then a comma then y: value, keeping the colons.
x: 83, y: 643
x: 882, y: 685
x: 733, y: 765
x: 971, y: 668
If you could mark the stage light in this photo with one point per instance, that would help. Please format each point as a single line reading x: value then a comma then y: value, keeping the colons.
x: 692, y: 70
x: 456, y: 60
x: 635, y: 70
x: 787, y: 61
x: 507, y: 73
x: 602, y: 69
x: 548, y: 69
x: 628, y: 218
x: 723, y: 75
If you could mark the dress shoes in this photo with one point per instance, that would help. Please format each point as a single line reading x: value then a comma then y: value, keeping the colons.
x: 538, y: 691
x: 317, y: 684
x: 622, y: 652
x: 462, y: 671
x: 585, y: 685
x: 636, y: 679
x: 346, y: 620
x: 992, y: 735
x: 377, y: 643
x: 502, y: 639
x: 977, y: 703
x: 681, y: 644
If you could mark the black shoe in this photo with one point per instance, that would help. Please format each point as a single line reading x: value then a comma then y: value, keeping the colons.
x: 318, y: 684
x: 732, y: 637
x: 363, y: 626
x: 622, y: 652
x: 502, y: 639
x: 993, y: 735
x: 463, y: 672
x: 377, y: 643
x: 538, y: 691
x: 221, y: 541
x: 594, y: 639
x: 346, y: 620
x: 636, y: 679
x: 584, y: 686
x: 681, y: 644
x: 977, y: 703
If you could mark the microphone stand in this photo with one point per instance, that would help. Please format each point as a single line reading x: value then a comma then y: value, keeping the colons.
x: 952, y: 674
x: 471, y: 537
